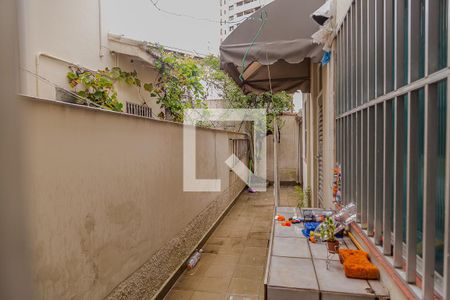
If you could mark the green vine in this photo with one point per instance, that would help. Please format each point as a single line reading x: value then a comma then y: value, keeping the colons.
x: 179, y: 85
x: 234, y: 97
x: 98, y: 87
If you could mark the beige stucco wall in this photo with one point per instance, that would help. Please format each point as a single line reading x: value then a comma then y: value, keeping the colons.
x: 105, y: 193
x: 328, y: 134
x: 288, y: 152
x: 55, y: 34
x: 310, y: 135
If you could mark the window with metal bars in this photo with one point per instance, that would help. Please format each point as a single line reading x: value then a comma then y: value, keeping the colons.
x: 138, y: 110
x: 402, y: 120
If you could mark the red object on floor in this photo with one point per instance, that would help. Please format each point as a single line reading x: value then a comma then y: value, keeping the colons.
x: 357, y: 264
x: 287, y: 224
x: 280, y: 218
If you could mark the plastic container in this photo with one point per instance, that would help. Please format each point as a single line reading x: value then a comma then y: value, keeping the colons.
x: 193, y: 260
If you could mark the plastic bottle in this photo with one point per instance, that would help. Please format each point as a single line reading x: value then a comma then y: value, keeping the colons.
x: 193, y: 260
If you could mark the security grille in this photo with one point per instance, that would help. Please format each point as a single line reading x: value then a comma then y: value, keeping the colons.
x: 393, y: 131
x: 139, y: 110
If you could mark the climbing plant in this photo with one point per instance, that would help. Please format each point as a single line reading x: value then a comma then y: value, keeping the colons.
x: 234, y: 97
x: 179, y: 84
x: 98, y: 87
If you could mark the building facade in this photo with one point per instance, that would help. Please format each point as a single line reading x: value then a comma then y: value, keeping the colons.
x: 392, y: 133
x: 379, y: 109
x: 47, y: 52
x: 234, y: 12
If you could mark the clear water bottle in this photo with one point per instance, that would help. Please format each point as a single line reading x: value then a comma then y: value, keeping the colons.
x: 193, y: 260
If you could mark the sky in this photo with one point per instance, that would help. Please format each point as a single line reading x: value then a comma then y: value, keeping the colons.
x: 140, y: 20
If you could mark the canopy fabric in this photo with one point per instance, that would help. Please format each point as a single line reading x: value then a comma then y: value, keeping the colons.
x: 279, y: 36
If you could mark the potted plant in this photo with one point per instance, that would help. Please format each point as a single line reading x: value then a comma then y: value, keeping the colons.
x: 327, y: 233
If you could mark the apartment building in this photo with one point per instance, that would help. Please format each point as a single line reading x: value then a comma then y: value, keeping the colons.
x: 234, y: 12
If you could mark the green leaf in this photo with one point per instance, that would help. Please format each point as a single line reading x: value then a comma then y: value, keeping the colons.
x: 148, y: 87
x: 72, y: 76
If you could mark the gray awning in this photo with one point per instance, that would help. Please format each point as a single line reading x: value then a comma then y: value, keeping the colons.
x: 284, y: 43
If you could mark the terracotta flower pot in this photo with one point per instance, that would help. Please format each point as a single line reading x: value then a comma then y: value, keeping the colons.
x: 333, y: 246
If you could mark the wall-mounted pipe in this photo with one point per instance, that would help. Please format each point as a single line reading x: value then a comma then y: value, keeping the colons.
x: 52, y: 57
x: 100, y: 29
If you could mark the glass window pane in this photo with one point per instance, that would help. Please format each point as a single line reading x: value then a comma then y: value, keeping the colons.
x: 442, y: 106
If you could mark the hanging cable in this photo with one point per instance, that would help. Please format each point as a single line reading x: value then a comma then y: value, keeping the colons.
x: 155, y: 4
x: 263, y: 20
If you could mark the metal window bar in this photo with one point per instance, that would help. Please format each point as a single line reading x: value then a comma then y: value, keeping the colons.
x: 364, y: 161
x: 337, y: 78
x: 338, y: 141
x: 403, y: 89
x: 340, y: 71
x: 352, y: 55
x: 446, y: 275
x: 412, y: 183
x: 344, y: 159
x: 346, y: 65
x: 398, y: 181
x: 353, y: 158
x: 379, y: 135
x: 357, y: 53
x: 399, y: 44
x: 350, y: 159
x: 388, y: 162
x: 358, y: 163
x: 370, y: 169
x: 379, y: 47
x: 429, y: 190
x: 364, y: 52
x: 138, y: 110
x: 371, y: 47
x: 388, y: 46
x: 347, y: 160
x: 413, y: 41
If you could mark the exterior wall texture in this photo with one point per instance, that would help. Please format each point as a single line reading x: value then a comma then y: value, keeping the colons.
x: 105, y: 197
x: 288, y: 150
x: 56, y: 34
x: 310, y: 135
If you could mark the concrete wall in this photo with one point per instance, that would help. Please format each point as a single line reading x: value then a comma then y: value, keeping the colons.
x: 106, y: 201
x: 288, y: 150
x: 310, y: 134
x: 54, y: 34
x: 329, y: 141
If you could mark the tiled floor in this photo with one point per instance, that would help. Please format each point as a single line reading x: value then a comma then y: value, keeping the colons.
x: 233, y: 263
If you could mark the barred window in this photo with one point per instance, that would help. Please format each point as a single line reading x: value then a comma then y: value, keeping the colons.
x: 138, y: 110
x: 392, y: 90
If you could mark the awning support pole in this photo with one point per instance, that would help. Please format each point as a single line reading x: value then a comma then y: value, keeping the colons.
x: 276, y: 179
